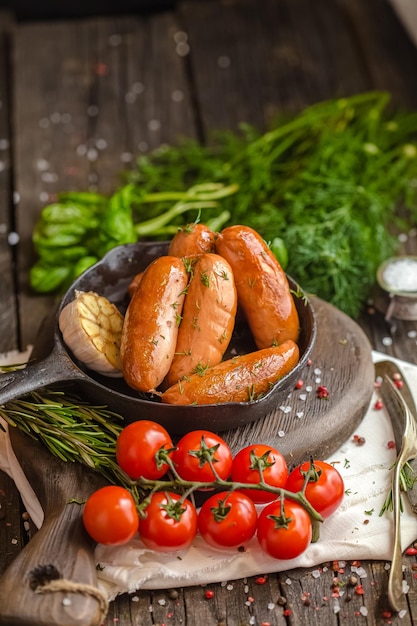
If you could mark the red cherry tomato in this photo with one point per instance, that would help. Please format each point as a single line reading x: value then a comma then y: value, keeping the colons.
x: 284, y: 538
x: 324, y: 491
x: 137, y: 449
x: 110, y: 516
x: 193, y: 452
x: 227, y: 519
x: 247, y: 463
x: 169, y: 524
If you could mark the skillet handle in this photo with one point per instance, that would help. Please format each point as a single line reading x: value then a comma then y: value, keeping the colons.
x: 54, y: 368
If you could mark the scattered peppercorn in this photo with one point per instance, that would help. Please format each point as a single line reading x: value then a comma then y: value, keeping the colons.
x: 322, y: 392
x: 359, y: 440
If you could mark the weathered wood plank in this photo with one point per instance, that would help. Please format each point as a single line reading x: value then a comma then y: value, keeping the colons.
x: 251, y: 61
x: 102, y: 90
x: 8, y: 301
x: 10, y: 518
x: 12, y: 534
x: 387, y: 51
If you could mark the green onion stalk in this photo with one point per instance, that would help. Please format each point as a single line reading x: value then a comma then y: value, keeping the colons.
x: 76, y: 231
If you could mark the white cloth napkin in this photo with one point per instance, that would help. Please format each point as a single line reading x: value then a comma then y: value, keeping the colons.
x: 354, y: 532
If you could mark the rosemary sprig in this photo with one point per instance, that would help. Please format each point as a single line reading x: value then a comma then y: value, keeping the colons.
x: 70, y: 428
x: 407, y: 482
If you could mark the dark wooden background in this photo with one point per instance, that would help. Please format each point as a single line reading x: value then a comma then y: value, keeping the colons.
x: 80, y: 97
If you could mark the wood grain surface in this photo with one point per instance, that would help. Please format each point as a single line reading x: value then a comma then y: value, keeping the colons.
x: 137, y: 81
x: 60, y: 551
x: 306, y: 424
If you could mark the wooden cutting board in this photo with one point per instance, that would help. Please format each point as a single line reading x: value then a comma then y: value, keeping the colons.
x: 60, y: 553
x: 303, y: 425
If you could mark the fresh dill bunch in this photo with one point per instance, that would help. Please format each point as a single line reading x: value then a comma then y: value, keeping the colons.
x: 336, y: 183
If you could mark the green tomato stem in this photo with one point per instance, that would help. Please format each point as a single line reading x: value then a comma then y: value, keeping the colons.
x: 178, y: 482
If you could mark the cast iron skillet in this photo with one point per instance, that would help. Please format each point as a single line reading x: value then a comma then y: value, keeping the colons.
x: 110, y: 277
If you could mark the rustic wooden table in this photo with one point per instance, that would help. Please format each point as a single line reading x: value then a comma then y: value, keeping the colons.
x: 80, y: 98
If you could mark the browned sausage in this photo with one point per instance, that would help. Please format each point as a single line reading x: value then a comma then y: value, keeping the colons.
x: 262, y: 286
x: 151, y: 323
x: 208, y: 317
x: 192, y: 239
x: 240, y: 379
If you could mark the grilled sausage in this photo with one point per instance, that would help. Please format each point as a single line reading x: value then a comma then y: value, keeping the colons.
x: 151, y: 323
x: 240, y: 379
x: 262, y: 286
x: 192, y: 239
x: 208, y: 317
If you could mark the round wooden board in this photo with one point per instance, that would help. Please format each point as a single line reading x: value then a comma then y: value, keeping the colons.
x: 305, y: 424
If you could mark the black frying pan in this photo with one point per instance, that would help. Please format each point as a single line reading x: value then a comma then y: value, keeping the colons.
x: 110, y: 277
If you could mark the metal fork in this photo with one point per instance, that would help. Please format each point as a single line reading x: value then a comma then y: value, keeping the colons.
x: 408, y: 451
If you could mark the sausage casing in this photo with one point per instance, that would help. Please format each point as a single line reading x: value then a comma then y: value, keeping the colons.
x: 263, y: 291
x: 208, y: 317
x: 192, y: 239
x: 150, y: 328
x: 240, y: 379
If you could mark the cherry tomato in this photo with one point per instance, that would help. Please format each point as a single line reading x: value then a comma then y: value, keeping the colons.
x: 325, y: 491
x: 246, y: 466
x: 227, y: 519
x: 110, y: 516
x: 137, y: 449
x: 169, y: 524
x: 193, y: 452
x: 284, y: 534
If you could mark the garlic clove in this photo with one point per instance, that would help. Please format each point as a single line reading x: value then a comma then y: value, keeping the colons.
x: 91, y: 327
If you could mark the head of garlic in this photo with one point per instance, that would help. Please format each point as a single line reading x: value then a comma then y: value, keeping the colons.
x: 91, y: 327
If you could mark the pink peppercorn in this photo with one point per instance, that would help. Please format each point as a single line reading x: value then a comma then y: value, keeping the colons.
x: 378, y: 405
x: 322, y: 392
x: 209, y: 594
x: 411, y: 551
